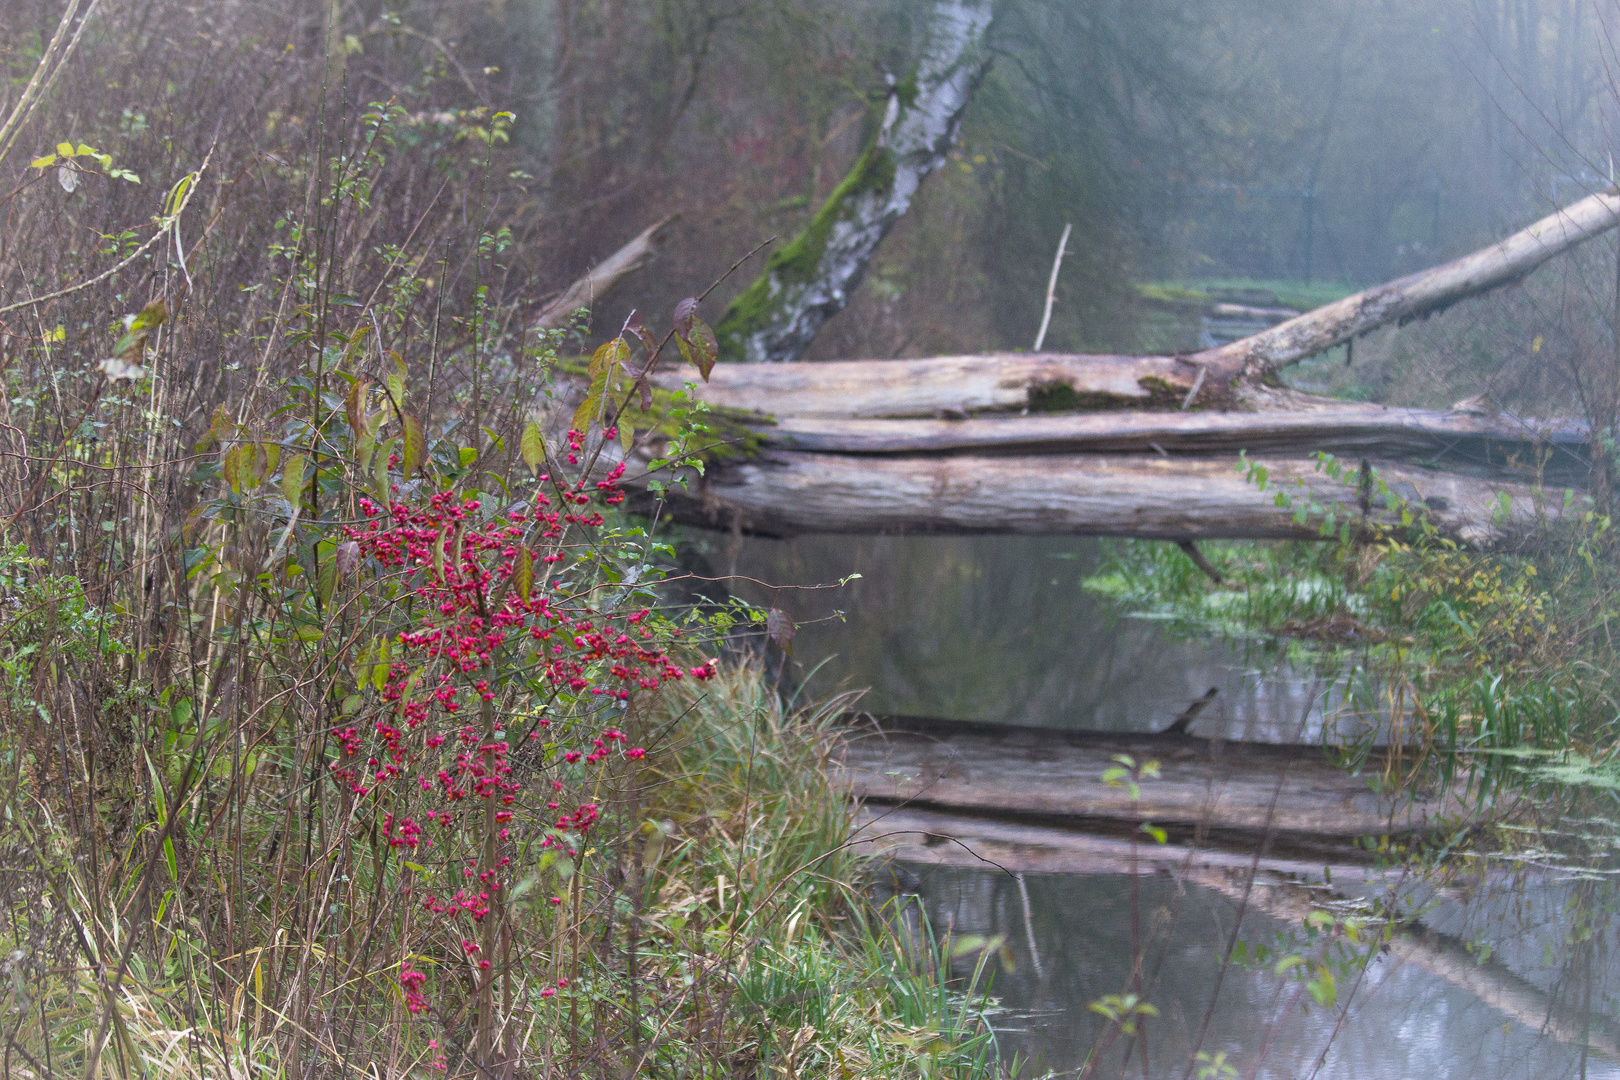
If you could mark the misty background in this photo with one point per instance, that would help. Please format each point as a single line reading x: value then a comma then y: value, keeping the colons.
x: 1305, y: 148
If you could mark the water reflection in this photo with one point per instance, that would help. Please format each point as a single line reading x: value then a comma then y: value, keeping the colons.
x: 999, y: 629
x: 1069, y: 942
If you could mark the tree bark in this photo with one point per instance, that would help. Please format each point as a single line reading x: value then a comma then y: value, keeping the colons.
x: 995, y: 382
x: 784, y: 493
x: 1480, y: 440
x: 810, y: 280
x: 588, y: 291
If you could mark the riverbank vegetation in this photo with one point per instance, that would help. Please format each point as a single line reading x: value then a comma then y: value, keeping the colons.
x: 1485, y: 673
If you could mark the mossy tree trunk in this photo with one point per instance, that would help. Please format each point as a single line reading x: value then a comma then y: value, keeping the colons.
x: 809, y: 280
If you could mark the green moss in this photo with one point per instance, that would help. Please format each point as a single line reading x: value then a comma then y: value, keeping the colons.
x: 1058, y: 397
x: 1169, y: 293
x: 798, y: 261
x: 1161, y: 392
x: 906, y: 91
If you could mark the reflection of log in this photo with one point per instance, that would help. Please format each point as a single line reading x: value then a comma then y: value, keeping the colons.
x: 601, y: 279
x: 782, y: 493
x: 940, y: 838
x: 1039, y: 774
x: 1445, y: 957
x: 1415, y: 295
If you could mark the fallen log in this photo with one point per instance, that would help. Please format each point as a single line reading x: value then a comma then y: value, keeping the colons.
x: 1234, y: 798
x: 993, y: 382
x: 1262, y: 355
x: 1470, y: 439
x: 781, y: 493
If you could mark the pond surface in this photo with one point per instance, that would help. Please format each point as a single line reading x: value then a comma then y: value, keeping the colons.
x: 1068, y: 942
x: 1001, y: 630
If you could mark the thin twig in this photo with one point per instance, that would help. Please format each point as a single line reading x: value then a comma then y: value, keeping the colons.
x: 1051, y: 287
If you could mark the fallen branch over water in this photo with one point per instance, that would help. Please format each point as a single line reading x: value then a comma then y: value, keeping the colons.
x: 1341, y: 428
x: 783, y: 493
x: 1260, y: 355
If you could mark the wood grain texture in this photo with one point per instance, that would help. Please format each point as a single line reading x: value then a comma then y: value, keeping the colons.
x: 784, y: 493
x: 1340, y: 428
x: 941, y: 385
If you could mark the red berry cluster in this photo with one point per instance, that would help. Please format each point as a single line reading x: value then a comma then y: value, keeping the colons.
x: 471, y: 584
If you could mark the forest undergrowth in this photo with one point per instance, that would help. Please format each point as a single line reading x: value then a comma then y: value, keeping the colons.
x: 347, y: 724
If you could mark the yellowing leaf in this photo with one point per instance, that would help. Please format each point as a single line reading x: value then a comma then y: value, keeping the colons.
x: 585, y: 415
x: 292, y: 478
x: 415, y: 451
x: 523, y: 577
x: 354, y: 409
x: 533, y: 446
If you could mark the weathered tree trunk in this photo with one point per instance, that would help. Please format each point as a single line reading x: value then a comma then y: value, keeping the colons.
x: 1263, y: 354
x: 996, y: 382
x: 1342, y: 428
x: 1481, y: 444
x: 809, y: 280
x: 602, y: 278
x: 784, y: 493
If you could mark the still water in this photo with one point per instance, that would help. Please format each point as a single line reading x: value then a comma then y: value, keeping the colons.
x: 1001, y: 629
x: 1068, y: 943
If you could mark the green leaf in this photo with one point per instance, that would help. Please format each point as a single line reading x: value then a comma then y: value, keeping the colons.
x: 523, y: 576
x: 43, y: 162
x: 415, y: 451
x: 292, y: 478
x: 379, y: 477
x: 585, y: 415
x: 533, y: 446
x: 177, y: 194
x: 396, y: 380
x: 326, y: 577
x: 379, y: 670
